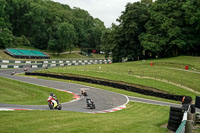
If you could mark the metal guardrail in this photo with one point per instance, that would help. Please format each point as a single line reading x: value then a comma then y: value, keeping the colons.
x: 51, y: 61
x: 55, y: 63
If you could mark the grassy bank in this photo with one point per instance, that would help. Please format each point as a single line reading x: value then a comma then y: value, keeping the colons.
x: 75, y: 55
x: 15, y: 92
x: 161, y: 75
x: 192, y: 81
x: 179, y: 62
x: 137, y: 118
x: 3, y: 55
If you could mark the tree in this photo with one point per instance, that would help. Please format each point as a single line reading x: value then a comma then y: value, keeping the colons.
x: 192, y: 27
x: 38, y: 21
x: 164, y: 35
x: 96, y: 34
x: 65, y: 38
x: 6, y: 36
x: 21, y: 41
x: 132, y: 21
x: 108, y: 40
x: 83, y: 24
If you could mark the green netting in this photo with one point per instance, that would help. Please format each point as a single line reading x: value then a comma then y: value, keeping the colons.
x: 38, y: 53
x: 14, y: 52
x: 23, y: 52
x: 181, y: 128
x: 27, y: 52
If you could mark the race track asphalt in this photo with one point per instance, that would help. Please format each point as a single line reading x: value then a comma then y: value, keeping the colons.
x: 104, y: 100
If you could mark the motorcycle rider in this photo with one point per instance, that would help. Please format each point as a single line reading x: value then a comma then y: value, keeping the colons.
x: 90, y: 103
x: 55, y: 102
x: 83, y: 92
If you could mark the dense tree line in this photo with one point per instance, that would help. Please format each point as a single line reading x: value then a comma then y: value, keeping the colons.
x: 47, y: 25
x: 146, y: 29
x: 149, y: 29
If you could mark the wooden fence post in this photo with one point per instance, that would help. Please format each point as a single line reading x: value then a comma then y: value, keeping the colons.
x: 189, y: 123
x: 189, y: 126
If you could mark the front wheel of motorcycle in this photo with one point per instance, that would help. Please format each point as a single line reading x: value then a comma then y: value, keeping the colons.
x: 59, y: 107
x: 50, y: 105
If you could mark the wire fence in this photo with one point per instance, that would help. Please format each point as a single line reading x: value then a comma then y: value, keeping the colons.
x: 164, y: 76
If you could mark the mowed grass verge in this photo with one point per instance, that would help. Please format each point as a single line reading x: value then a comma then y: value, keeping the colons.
x: 136, y: 118
x: 3, y: 55
x: 159, y: 77
x: 16, y: 92
x: 75, y: 56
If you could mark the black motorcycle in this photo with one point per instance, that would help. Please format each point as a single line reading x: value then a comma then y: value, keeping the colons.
x: 90, y: 104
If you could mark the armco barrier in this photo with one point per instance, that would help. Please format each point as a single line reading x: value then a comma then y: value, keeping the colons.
x: 11, y: 66
x: 121, y: 85
x: 39, y: 64
x: 94, y: 61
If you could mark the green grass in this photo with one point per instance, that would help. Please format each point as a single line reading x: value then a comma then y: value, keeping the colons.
x: 4, y: 56
x: 158, y: 76
x: 15, y: 92
x: 137, y: 118
x: 61, y: 56
x: 126, y: 78
x: 180, y: 62
x: 74, y: 55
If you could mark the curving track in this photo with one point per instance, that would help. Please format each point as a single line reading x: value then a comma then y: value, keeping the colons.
x: 105, y: 101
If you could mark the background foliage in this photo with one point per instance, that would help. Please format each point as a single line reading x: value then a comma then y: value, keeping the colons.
x: 146, y: 29
x: 149, y: 29
x: 47, y: 25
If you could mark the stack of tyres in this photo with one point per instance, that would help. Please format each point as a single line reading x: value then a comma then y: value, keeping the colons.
x: 175, y: 118
x: 193, y: 109
x: 197, y: 102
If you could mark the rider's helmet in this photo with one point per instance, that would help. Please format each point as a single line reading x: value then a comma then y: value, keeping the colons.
x: 51, y: 94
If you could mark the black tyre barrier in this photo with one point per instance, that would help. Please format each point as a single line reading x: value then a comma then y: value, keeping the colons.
x: 175, y: 118
x: 172, y: 128
x: 193, y: 109
x: 174, y: 122
x: 177, y: 114
x: 120, y: 85
x: 175, y: 109
x: 197, y: 102
x: 171, y: 124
